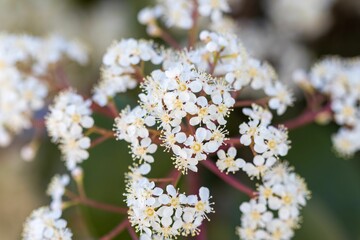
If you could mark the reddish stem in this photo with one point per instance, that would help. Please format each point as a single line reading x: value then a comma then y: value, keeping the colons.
x: 118, y: 229
x: 193, y: 30
x: 113, y: 109
x: 306, y: 117
x: 247, y: 103
x: 104, y: 111
x: 100, y: 205
x: 132, y: 233
x: 101, y: 139
x: 170, y: 40
x: 228, y: 179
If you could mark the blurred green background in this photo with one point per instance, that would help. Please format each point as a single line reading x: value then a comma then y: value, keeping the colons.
x: 333, y: 213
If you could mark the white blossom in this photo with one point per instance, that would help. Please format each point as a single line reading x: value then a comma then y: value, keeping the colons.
x: 46, y: 224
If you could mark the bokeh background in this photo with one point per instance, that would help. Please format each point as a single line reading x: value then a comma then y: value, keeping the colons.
x: 270, y: 32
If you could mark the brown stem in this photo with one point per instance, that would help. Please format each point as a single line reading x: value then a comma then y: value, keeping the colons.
x: 170, y: 40
x: 132, y: 233
x: 228, y: 179
x: 61, y: 76
x: 104, y: 111
x: 95, y: 204
x: 102, y: 139
x: 102, y: 206
x: 247, y: 103
x: 193, y: 30
x: 161, y: 180
x: 118, y: 229
x: 113, y: 109
x: 100, y: 131
x: 308, y: 116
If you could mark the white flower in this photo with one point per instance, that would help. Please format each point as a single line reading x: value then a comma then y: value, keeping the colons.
x: 346, y: 111
x: 119, y: 70
x: 45, y: 224
x: 213, y: 8
x: 345, y: 141
x: 166, y: 214
x: 68, y: 116
x: 275, y: 213
x: 228, y: 162
x: 281, y: 97
x: 141, y: 150
x: 131, y: 124
x: 178, y: 13
x: 259, y: 166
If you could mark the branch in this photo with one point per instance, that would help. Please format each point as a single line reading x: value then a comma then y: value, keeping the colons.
x: 170, y: 40
x: 228, y: 179
x: 118, y: 229
x: 306, y: 117
x: 95, y: 204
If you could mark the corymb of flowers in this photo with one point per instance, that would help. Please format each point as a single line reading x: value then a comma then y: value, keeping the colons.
x: 205, y: 101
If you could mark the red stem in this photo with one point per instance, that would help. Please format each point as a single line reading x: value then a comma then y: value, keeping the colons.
x: 101, y: 139
x: 102, y: 206
x: 132, y: 233
x: 104, y: 111
x: 193, y: 30
x: 228, y: 179
x: 95, y: 204
x: 306, y: 117
x: 247, y: 103
x: 118, y: 229
x: 170, y: 40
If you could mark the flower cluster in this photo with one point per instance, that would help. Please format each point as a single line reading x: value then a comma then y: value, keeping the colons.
x: 181, y: 13
x: 166, y: 215
x: 339, y: 79
x: 20, y: 97
x: 275, y: 212
x: 267, y: 142
x: 183, y: 90
x: 67, y: 118
x: 122, y: 68
x: 258, y: 75
x: 24, y: 61
x: 45, y: 224
x: 169, y: 97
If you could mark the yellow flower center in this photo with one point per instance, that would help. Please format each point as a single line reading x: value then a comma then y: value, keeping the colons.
x: 139, y: 122
x: 140, y: 151
x: 348, y: 111
x: 287, y: 199
x: 174, y: 202
x: 203, y: 112
x: 253, y: 72
x: 222, y: 109
x: 196, y: 147
x: 229, y: 162
x: 200, y: 206
x: 267, y: 192
x: 255, y: 215
x: 182, y: 87
x: 271, y: 144
x: 150, y: 212
x: 76, y: 118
